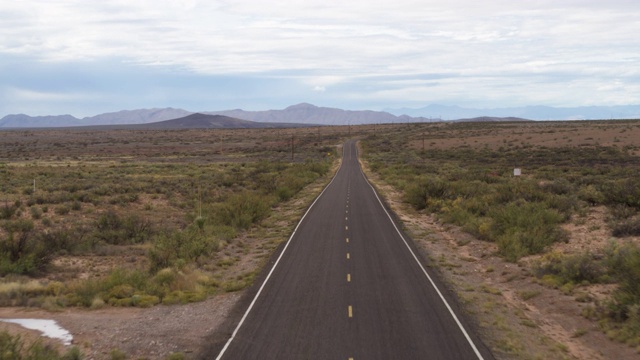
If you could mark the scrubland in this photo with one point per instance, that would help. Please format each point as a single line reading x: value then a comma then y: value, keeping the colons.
x: 116, y: 218
x: 570, y: 222
x: 547, y: 263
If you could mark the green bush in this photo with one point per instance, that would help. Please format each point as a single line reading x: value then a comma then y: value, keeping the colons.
x: 14, y: 348
x: 623, y: 192
x: 36, y: 213
x: 622, y: 212
x: 591, y: 195
x: 628, y: 227
x: 624, y: 262
x: 62, y: 210
x: 22, y: 252
x: 422, y: 190
x: 244, y: 209
x: 522, y: 229
x: 624, y: 308
x: 180, y: 247
x: 573, y: 269
x: 113, y: 229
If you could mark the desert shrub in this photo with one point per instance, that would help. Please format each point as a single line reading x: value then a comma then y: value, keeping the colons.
x: 519, y: 190
x: 113, y: 229
x: 7, y: 211
x: 266, y: 181
x: 73, y: 240
x: 20, y: 225
x: 623, y: 310
x: 244, y: 209
x: 62, y: 210
x: 571, y: 269
x: 14, y: 348
x: 22, y: 252
x: 622, y: 212
x: 291, y: 180
x: 591, y: 195
x: 76, y: 205
x: 117, y: 289
x: 82, y: 293
x: 117, y: 354
x: 627, y: 227
x: 17, y: 291
x: 469, y: 188
x: 144, y: 301
x: 624, y: 192
x: 36, y: 213
x: 423, y: 189
x: 558, y: 187
x: 522, y: 229
x: 175, y: 356
x: 624, y: 262
x: 566, y: 205
x: 180, y: 247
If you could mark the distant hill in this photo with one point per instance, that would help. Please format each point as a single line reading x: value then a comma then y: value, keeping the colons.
x: 526, y: 112
x: 492, y: 119
x: 310, y: 114
x: 293, y: 116
x: 26, y: 121
x: 141, y: 116
x: 205, y: 121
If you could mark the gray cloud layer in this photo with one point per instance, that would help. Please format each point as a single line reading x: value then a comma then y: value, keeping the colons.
x: 403, y: 52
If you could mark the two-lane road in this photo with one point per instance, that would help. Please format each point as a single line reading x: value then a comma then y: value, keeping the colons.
x: 348, y: 286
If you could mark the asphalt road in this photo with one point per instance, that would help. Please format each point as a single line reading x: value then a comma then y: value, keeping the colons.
x: 348, y: 286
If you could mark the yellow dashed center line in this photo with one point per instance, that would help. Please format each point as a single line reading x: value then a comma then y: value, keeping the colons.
x: 348, y: 277
x: 348, y: 256
x: 346, y: 228
x: 350, y: 311
x: 347, y: 240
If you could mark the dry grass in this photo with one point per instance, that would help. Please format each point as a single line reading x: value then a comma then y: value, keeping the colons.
x: 104, y: 199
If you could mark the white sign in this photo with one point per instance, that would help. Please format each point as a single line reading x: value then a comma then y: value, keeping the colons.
x: 517, y: 172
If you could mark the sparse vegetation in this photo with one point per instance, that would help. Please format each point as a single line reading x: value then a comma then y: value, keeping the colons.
x: 166, y: 210
x: 14, y: 348
x: 471, y: 184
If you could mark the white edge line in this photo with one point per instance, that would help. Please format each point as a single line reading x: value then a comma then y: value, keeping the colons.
x: 466, y: 335
x: 244, y: 317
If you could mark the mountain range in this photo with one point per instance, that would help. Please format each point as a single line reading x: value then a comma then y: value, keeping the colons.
x: 310, y: 114
x: 527, y: 112
x: 206, y: 121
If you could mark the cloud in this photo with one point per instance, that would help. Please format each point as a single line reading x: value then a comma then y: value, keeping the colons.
x: 501, y: 51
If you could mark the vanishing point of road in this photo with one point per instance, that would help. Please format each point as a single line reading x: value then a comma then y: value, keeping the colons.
x: 349, y: 285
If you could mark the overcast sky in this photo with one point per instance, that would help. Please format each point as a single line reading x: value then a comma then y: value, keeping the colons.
x: 84, y: 57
